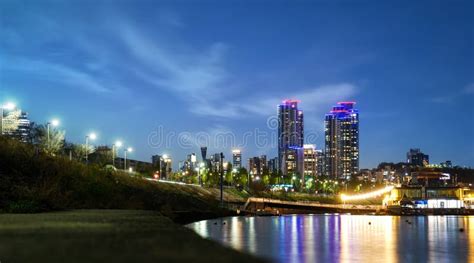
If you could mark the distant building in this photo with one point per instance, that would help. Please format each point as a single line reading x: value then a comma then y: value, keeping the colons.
x: 310, y: 160
x: 189, y: 164
x: 162, y: 166
x: 417, y: 158
x: 15, y: 123
x: 320, y: 160
x: 216, y: 162
x: 272, y: 165
x: 342, y: 141
x: 290, y: 138
x: 257, y: 165
x: 204, y: 153
x: 236, y: 159
x: 447, y: 164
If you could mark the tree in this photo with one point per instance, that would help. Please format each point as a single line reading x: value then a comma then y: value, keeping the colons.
x: 229, y: 175
x: 51, y: 144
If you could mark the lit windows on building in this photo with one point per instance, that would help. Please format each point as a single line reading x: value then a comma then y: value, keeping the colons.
x: 342, y: 141
x: 290, y: 138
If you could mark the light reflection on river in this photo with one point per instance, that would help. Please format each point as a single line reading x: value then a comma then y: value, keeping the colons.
x: 346, y: 238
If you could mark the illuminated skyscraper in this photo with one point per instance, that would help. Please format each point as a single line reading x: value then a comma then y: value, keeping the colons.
x: 342, y: 141
x: 290, y: 138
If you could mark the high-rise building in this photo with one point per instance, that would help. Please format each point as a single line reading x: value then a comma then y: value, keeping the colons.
x: 310, y: 160
x: 236, y: 159
x: 342, y: 141
x: 320, y: 160
x: 290, y: 138
x: 15, y: 123
x: 272, y: 165
x: 417, y: 158
x: 257, y: 165
x: 204, y: 153
x: 216, y: 162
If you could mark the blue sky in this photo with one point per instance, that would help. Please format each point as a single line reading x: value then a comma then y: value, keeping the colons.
x: 131, y: 69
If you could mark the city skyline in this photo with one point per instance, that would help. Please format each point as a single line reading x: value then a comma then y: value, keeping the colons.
x: 130, y: 77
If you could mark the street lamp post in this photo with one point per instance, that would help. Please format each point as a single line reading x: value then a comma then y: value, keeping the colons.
x: 55, y: 123
x: 222, y: 179
x: 129, y: 149
x: 91, y: 136
x: 115, y: 147
x: 248, y: 179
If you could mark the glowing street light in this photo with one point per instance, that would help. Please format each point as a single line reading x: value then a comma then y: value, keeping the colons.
x: 91, y: 136
x: 198, y: 170
x: 115, y: 147
x: 9, y: 106
x: 128, y: 150
x: 54, y: 123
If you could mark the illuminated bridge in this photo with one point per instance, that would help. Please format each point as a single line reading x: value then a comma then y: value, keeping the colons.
x: 254, y: 205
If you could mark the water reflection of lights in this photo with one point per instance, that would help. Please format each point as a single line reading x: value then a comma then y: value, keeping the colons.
x: 236, y: 229
x: 251, y: 235
x: 378, y: 239
x: 348, y: 238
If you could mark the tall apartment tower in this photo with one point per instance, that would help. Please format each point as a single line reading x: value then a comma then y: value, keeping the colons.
x: 342, y: 141
x: 290, y: 138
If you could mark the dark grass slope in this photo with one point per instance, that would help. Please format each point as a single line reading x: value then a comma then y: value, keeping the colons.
x: 31, y: 181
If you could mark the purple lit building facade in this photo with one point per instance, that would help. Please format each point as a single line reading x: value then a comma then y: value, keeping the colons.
x: 342, y: 141
x: 290, y: 138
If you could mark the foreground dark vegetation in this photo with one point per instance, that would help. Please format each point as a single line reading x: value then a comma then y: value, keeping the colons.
x: 32, y: 181
x: 105, y: 236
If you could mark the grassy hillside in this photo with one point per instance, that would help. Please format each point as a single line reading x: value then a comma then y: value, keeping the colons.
x: 34, y: 182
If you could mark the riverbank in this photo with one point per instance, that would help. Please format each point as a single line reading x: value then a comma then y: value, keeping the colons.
x: 106, y: 236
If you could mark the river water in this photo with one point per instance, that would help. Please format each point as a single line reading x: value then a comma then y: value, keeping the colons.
x: 346, y: 238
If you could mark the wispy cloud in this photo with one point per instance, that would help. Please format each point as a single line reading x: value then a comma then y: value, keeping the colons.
x: 452, y: 96
x: 469, y: 89
x: 57, y: 73
x: 197, y: 77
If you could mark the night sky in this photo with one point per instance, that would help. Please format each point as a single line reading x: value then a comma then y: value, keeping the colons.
x: 130, y: 69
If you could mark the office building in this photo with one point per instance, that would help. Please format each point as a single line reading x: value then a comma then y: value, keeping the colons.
x: 342, y: 141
